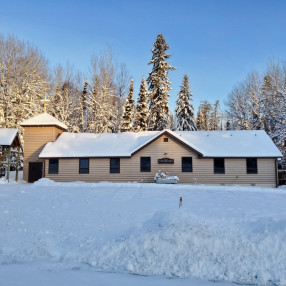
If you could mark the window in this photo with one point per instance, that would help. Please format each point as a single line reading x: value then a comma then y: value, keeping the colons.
x: 166, y: 139
x: 219, y: 165
x: 145, y: 164
x: 53, y: 166
x: 84, y: 166
x: 114, y: 165
x: 187, y: 165
x: 251, y: 165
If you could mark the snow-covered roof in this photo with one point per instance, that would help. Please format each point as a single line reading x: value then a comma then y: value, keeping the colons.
x: 44, y: 119
x: 238, y: 143
x: 206, y: 143
x: 96, y: 145
x: 7, y: 136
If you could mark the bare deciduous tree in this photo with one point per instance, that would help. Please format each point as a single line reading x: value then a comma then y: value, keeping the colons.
x: 23, y: 81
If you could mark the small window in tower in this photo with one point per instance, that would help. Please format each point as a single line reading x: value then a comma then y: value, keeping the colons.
x: 166, y: 139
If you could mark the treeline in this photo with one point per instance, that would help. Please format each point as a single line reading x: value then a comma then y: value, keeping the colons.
x: 259, y: 102
x: 105, y: 101
x: 26, y: 78
x: 97, y: 104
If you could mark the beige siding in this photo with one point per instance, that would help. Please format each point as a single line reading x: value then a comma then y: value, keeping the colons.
x: 35, y: 138
x: 203, y: 173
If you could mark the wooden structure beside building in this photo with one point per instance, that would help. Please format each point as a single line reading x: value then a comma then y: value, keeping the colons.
x: 205, y: 157
x: 10, y: 147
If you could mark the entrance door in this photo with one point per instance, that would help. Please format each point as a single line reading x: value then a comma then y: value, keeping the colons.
x: 35, y: 171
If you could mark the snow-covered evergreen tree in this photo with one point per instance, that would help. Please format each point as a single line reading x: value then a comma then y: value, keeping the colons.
x: 122, y: 83
x: 83, y: 107
x: 270, y: 92
x: 141, y: 117
x: 185, y: 116
x: 159, y: 86
x: 204, y: 114
x: 227, y: 125
x: 65, y: 98
x: 129, y: 111
x: 103, y: 98
x: 199, y: 119
x: 95, y: 111
x: 215, y: 117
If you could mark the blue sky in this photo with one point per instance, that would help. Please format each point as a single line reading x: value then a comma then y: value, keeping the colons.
x: 216, y: 43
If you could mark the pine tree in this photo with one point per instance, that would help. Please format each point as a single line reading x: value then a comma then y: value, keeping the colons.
x: 256, y: 121
x: 65, y: 98
x: 94, y: 108
x: 83, y: 107
x: 106, y: 96
x: 184, y: 109
x: 129, y: 111
x: 227, y: 125
x: 140, y: 123
x: 205, y: 110
x: 159, y: 86
x: 215, y: 117
x: 122, y: 82
x: 268, y: 93
x: 199, y: 121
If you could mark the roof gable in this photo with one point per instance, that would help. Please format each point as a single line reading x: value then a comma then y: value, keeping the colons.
x: 171, y: 134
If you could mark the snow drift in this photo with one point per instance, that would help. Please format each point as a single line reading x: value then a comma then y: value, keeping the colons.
x: 233, y: 234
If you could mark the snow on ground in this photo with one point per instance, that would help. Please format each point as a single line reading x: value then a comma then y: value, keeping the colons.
x: 79, y: 233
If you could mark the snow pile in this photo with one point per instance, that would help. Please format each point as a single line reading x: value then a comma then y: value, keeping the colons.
x: 179, y: 246
x: 233, y: 234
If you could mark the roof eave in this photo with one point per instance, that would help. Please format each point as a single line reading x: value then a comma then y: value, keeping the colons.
x: 44, y: 125
x: 239, y: 157
x: 75, y: 157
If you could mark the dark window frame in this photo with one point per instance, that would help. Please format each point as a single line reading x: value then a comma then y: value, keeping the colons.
x: 185, y: 167
x: 83, y: 170
x: 166, y: 139
x: 147, y: 167
x: 250, y: 169
x: 219, y: 169
x: 112, y: 169
x: 54, y: 170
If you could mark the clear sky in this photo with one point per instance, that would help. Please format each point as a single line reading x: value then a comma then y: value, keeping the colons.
x: 215, y: 42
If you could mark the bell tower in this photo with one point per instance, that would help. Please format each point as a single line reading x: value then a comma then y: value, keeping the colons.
x: 38, y: 131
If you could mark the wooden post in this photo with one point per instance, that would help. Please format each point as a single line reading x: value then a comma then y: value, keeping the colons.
x: 17, y: 164
x: 9, y: 162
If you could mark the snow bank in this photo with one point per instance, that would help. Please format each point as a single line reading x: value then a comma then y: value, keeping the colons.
x: 220, y: 233
x: 178, y: 246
